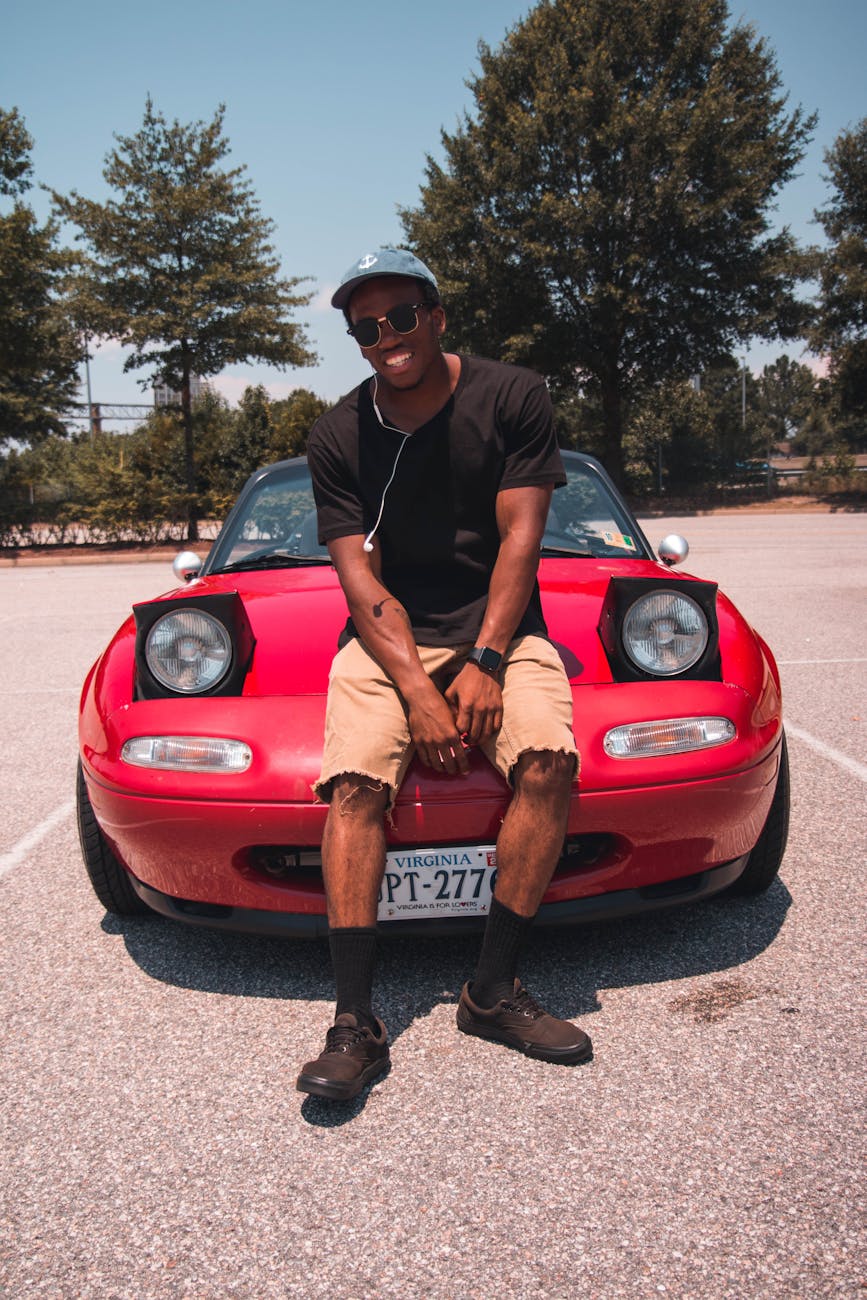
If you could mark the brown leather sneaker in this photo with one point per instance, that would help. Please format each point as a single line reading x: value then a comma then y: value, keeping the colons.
x: 521, y: 1023
x: 353, y: 1055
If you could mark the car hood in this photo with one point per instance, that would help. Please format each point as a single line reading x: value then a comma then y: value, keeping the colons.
x: 296, y: 616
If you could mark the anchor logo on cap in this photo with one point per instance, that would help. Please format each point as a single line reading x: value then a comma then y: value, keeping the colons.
x: 368, y: 261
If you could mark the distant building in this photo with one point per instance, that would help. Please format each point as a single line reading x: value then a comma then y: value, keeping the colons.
x: 165, y: 396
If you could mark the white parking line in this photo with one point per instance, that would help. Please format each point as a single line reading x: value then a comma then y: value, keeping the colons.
x: 787, y: 662
x: 19, y: 851
x: 41, y: 690
x: 835, y: 755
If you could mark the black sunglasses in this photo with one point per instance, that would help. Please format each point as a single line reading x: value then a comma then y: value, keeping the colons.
x: 403, y: 319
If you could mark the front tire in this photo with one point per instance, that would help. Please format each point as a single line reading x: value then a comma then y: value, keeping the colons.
x: 763, y: 863
x: 110, y: 881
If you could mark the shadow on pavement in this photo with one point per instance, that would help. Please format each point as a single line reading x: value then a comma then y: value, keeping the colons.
x: 565, y: 968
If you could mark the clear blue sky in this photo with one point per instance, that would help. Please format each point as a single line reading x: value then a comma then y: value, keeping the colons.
x: 333, y: 106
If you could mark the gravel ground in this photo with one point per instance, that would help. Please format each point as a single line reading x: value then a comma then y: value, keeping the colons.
x: 153, y: 1142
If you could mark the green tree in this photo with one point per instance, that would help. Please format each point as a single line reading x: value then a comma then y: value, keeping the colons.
x: 39, y: 351
x: 16, y: 169
x: 671, y: 442
x: 731, y: 394
x: 258, y: 432
x: 785, y: 395
x: 841, y: 324
x: 604, y: 214
x: 241, y: 446
x: 253, y: 429
x: 179, y: 266
x: 292, y: 419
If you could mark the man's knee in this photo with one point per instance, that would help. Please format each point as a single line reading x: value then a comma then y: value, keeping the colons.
x: 544, y: 772
x: 358, y: 796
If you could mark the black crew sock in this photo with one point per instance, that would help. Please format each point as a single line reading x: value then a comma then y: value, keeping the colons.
x: 353, y: 956
x: 495, y: 974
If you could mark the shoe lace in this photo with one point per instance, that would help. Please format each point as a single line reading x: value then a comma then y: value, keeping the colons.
x: 525, y: 1005
x: 342, y: 1038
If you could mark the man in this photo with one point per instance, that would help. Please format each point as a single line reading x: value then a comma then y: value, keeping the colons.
x: 433, y: 481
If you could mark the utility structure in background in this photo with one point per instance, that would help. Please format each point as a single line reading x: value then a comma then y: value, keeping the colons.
x: 95, y: 412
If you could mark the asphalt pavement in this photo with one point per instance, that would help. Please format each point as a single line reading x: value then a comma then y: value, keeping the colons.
x: 153, y: 1143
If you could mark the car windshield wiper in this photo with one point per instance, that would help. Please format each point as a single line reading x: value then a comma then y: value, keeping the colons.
x: 272, y: 560
x: 566, y: 551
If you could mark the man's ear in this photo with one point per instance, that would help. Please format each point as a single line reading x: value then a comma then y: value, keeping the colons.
x: 438, y: 316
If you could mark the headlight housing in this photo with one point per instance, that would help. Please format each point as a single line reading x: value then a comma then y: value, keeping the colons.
x: 664, y: 633
x: 192, y: 646
x: 658, y: 630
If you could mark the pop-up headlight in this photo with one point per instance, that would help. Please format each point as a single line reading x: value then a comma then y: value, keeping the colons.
x: 653, y: 628
x: 197, y: 645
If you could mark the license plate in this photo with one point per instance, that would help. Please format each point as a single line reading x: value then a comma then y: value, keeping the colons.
x: 437, y: 882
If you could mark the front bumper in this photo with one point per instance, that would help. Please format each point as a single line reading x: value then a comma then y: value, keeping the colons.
x: 577, y: 911
x: 636, y: 849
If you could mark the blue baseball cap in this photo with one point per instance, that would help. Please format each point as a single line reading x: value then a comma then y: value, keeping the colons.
x: 386, y: 261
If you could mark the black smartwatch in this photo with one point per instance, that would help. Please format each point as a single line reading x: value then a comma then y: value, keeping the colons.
x: 488, y: 660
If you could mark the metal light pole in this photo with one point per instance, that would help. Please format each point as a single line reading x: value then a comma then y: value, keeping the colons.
x: 90, y: 419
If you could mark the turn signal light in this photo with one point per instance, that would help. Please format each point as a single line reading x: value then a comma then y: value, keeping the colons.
x: 668, y: 736
x: 188, y: 754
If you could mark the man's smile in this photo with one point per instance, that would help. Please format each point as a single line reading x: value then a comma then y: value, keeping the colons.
x: 398, y: 360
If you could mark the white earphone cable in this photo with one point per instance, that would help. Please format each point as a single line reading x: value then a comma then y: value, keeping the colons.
x: 368, y: 541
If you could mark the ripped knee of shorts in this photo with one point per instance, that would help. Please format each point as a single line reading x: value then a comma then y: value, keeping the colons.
x: 538, y: 768
x: 358, y: 792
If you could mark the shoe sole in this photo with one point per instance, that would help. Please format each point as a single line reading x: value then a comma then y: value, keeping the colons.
x: 567, y: 1056
x: 335, y: 1091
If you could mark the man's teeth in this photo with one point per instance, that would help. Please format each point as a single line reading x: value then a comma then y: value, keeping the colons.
x: 399, y: 360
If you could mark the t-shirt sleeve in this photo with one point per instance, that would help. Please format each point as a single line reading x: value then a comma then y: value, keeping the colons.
x: 339, y: 508
x: 532, y: 457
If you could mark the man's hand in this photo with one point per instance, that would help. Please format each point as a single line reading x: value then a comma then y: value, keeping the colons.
x: 476, y: 701
x: 433, y: 728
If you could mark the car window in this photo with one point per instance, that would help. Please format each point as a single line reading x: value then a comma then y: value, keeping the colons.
x: 277, y: 515
x: 586, y: 518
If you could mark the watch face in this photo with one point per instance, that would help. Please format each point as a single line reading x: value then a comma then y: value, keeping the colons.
x: 485, y: 658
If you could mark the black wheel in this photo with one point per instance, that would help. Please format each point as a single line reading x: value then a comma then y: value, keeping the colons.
x: 764, y: 861
x: 110, y: 881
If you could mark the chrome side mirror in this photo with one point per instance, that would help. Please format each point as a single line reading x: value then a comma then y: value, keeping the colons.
x: 186, y: 566
x: 673, y: 549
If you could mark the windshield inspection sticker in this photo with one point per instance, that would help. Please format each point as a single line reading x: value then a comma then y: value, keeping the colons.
x: 622, y: 540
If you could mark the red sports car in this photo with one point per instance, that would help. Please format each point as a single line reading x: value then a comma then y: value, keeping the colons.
x: 201, y: 734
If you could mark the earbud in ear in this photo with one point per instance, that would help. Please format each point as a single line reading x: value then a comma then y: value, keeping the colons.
x: 368, y: 546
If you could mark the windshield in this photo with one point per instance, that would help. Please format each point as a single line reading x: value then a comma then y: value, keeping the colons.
x: 587, y: 518
x: 274, y: 522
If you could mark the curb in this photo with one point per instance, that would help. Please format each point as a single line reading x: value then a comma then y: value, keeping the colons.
x: 81, y: 555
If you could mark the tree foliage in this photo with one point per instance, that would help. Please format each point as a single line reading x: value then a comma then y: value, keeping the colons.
x: 697, y: 437
x: 259, y: 432
x: 131, y: 487
x: 604, y: 213
x: 179, y: 266
x: 841, y: 324
x: 39, y: 352
x: 785, y: 394
x: 16, y: 169
x: 672, y: 441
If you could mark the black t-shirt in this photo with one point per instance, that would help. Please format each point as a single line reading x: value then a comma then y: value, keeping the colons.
x: 438, y: 531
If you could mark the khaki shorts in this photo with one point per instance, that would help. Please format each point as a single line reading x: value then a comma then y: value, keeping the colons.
x: 366, y: 727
